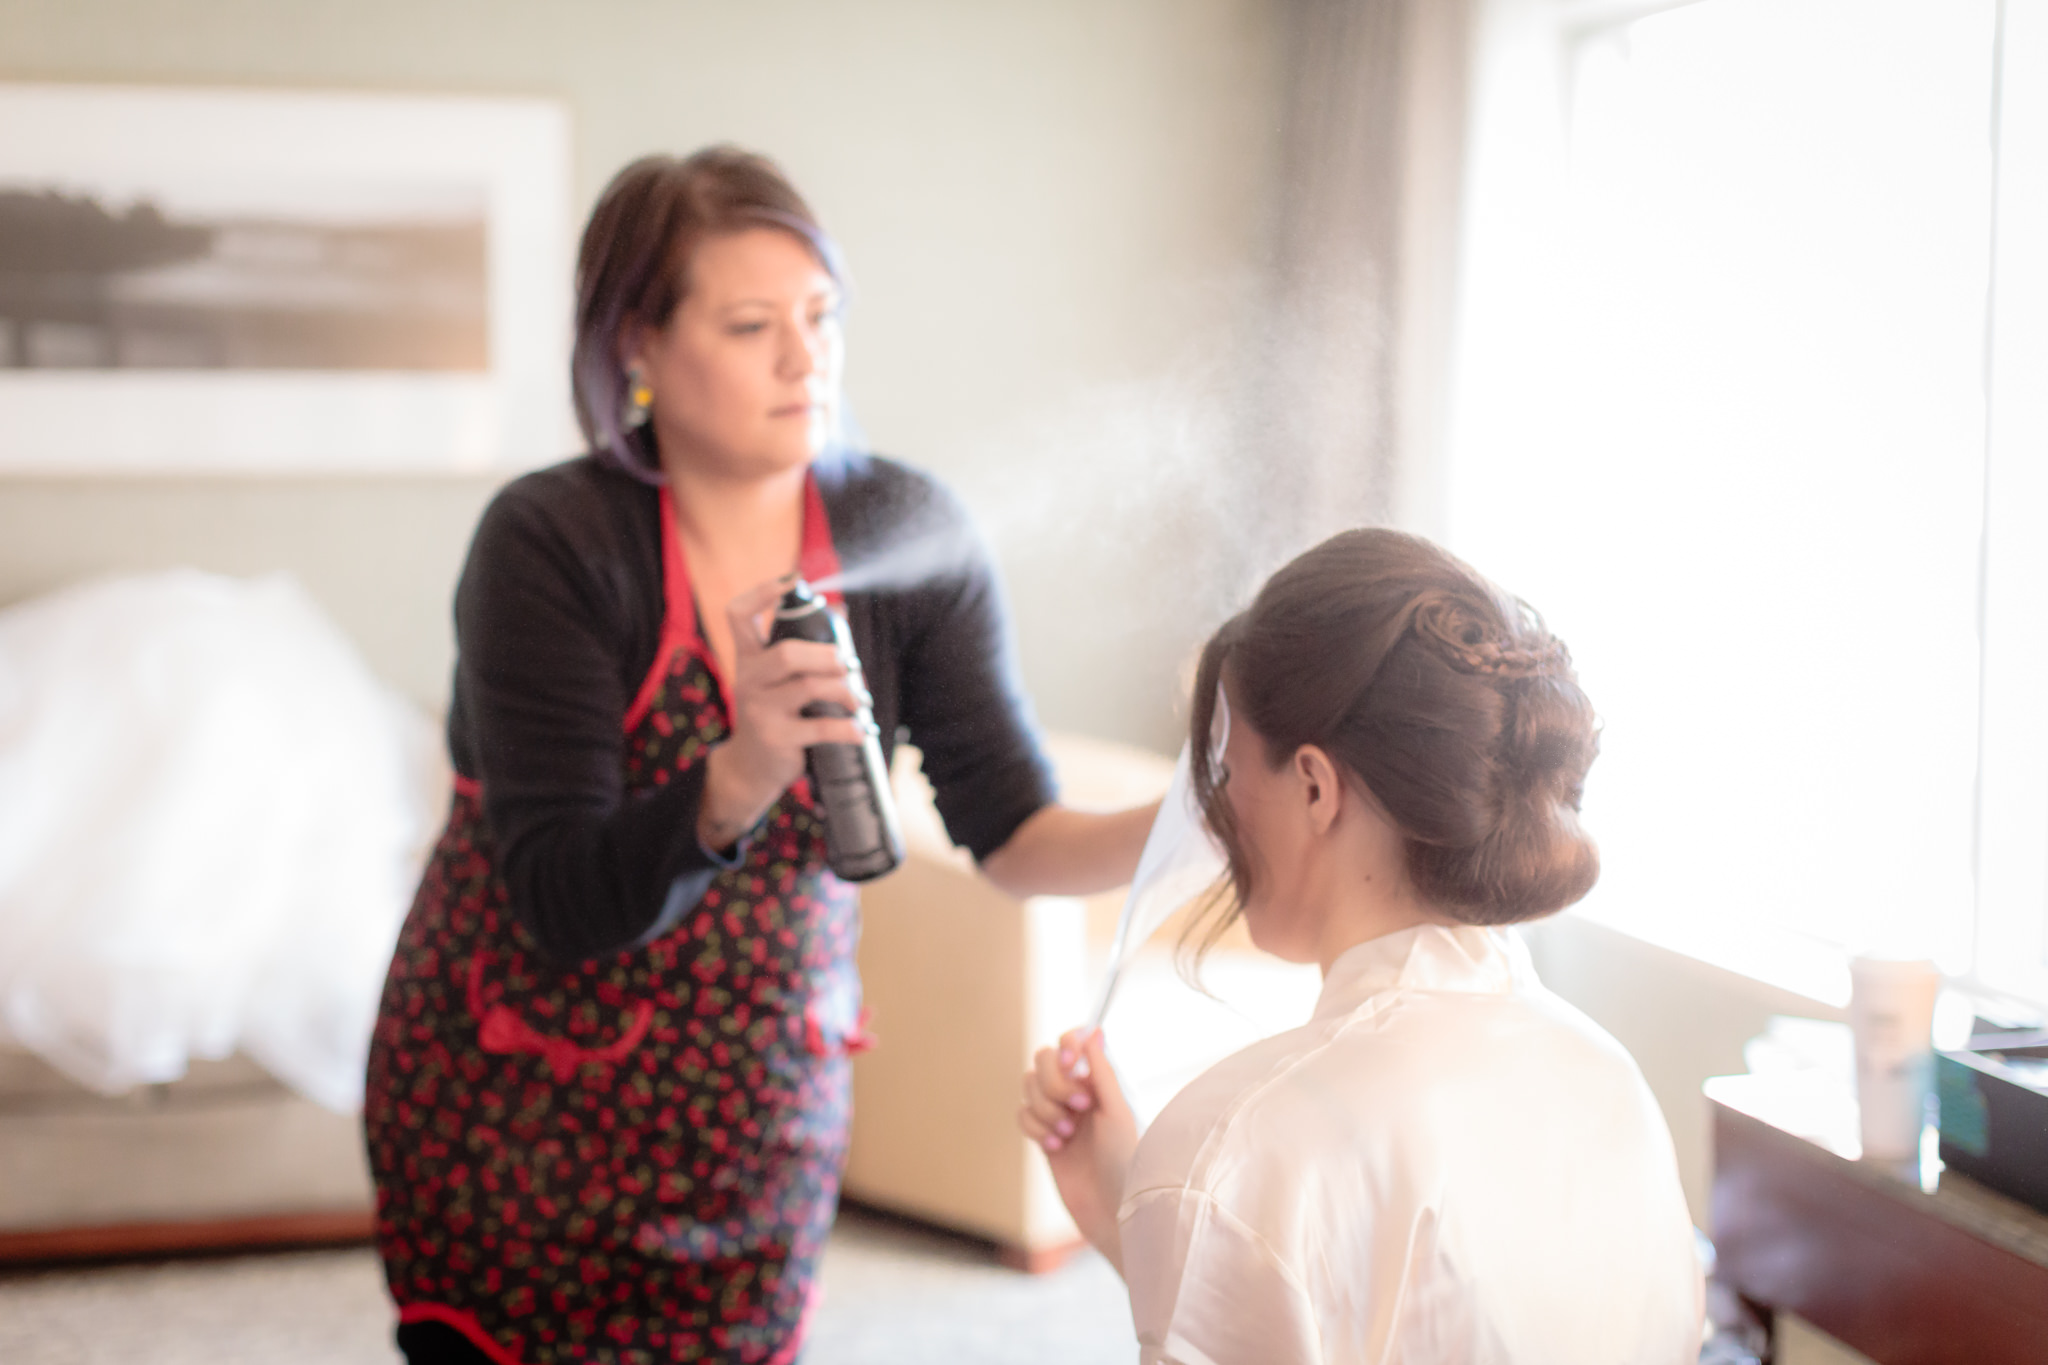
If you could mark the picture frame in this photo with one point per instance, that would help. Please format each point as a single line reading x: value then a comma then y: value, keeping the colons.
x: 207, y: 280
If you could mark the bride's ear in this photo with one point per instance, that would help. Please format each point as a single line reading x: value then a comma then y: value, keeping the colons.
x: 1320, y: 785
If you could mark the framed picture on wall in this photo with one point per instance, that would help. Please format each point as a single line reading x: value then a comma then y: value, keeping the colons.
x: 215, y: 280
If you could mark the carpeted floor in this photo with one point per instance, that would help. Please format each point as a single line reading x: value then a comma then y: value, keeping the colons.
x: 893, y: 1294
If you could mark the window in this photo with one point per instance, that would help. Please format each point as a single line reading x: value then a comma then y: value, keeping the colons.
x: 1722, y: 415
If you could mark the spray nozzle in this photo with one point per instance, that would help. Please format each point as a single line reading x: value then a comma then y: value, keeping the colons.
x: 797, y: 597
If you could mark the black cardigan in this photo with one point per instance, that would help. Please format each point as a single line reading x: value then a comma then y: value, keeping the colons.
x: 558, y: 618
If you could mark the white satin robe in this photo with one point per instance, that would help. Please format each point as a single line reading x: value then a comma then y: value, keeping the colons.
x: 1447, y: 1165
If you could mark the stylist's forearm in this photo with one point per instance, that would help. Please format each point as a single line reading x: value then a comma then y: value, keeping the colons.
x: 1065, y: 852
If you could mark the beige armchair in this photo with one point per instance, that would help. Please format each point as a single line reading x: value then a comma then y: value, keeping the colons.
x: 965, y: 982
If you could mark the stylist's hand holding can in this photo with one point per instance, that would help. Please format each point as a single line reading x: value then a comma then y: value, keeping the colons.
x: 771, y: 686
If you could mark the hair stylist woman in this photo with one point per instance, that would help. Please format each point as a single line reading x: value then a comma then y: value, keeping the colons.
x: 608, y: 1091
x: 1447, y: 1165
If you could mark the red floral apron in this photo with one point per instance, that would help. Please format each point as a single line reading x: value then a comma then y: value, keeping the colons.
x: 637, y: 1159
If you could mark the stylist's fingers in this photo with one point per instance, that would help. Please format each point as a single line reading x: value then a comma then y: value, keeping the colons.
x: 832, y: 687
x: 786, y: 660
x: 745, y: 611
x: 805, y: 712
x: 804, y: 734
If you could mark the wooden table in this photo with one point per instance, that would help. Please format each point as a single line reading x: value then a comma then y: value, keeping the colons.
x: 1908, y: 1264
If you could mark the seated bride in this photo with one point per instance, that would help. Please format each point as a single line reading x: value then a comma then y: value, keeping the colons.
x: 1447, y: 1165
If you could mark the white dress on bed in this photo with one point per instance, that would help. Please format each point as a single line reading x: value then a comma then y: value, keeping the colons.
x: 1448, y: 1165
x: 212, y: 817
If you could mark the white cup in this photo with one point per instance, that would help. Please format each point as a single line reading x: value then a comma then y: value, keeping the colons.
x: 1891, y: 1016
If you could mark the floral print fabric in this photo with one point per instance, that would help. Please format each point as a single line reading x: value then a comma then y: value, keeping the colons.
x: 636, y: 1159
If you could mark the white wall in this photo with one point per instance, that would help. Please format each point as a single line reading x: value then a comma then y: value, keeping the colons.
x: 1049, y: 205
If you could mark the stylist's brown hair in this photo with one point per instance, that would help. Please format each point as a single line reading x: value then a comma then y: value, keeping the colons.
x: 1444, y: 696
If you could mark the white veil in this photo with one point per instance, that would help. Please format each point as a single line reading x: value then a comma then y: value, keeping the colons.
x: 1181, y: 860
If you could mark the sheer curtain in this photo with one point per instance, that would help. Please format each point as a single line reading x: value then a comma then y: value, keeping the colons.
x: 1720, y: 413
x: 1348, y: 385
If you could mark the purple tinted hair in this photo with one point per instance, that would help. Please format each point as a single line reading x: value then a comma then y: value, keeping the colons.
x: 634, y: 268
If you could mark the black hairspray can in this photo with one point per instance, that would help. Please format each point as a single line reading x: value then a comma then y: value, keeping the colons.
x: 862, y: 839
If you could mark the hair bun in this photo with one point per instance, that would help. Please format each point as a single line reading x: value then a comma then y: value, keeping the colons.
x: 1447, y: 697
x: 1535, y: 858
x: 1471, y: 644
x: 1521, y: 851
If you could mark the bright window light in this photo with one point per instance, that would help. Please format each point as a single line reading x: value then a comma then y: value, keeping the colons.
x: 1738, y: 460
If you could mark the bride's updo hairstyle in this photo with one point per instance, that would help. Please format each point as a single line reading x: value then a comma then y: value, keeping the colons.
x: 1443, y: 695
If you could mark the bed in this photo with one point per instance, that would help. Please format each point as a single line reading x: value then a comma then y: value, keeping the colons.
x: 226, y: 1155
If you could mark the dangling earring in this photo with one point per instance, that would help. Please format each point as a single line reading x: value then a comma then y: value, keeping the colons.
x: 639, y: 400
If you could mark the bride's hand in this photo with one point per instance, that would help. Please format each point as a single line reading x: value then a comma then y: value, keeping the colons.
x: 1087, y: 1130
